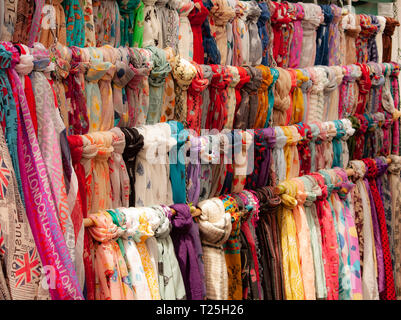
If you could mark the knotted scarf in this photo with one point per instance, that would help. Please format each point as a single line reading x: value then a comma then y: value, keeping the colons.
x: 281, y: 97
x: 157, y: 79
x: 197, y: 17
x: 304, y: 241
x: 329, y: 239
x: 374, y: 103
x: 215, y: 228
x: 368, y: 30
x: 263, y: 97
x: 332, y: 92
x: 113, y: 282
x: 388, y: 292
x: 231, y: 96
x: 312, y: 190
x: 96, y: 70
x: 240, y: 35
x: 217, y: 112
x: 185, y: 35
x: 334, y: 41
x: 391, y: 24
x: 278, y: 154
x: 348, y: 89
x: 133, y: 144
x: 365, y: 85
x: 183, y: 72
x: 291, y: 151
x: 337, y: 145
x: 219, y: 15
x: 379, y: 37
x: 293, y: 287
x: 263, y: 34
x: 394, y: 170
x: 349, y: 132
x: 193, y: 170
x: 241, y: 161
x: 304, y: 151
x: 316, y: 98
x: 168, y: 107
x: 322, y: 37
x: 36, y: 22
x: 395, y: 71
x: 169, y: 22
x: 74, y: 23
x: 275, y: 74
x: 185, y: 251
x: 351, y: 25
x: 230, y: 35
x: 207, y: 74
x: 196, y: 90
x: 363, y: 224
x: 306, y: 88
x: 242, y: 100
x: 212, y: 53
x: 311, y: 21
x: 298, y: 103
x: 315, y: 131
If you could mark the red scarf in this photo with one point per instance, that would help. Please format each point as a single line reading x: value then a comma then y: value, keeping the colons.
x: 196, y: 17
x: 217, y: 112
x: 280, y: 21
x: 389, y: 293
x: 360, y: 136
x: 303, y: 148
x: 364, y: 88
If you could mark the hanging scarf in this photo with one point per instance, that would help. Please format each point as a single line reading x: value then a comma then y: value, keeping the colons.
x: 230, y: 35
x: 96, y: 70
x: 372, y: 45
x: 193, y: 170
x: 168, y: 107
x: 337, y: 145
x: 322, y: 37
x: 278, y: 154
x: 231, y: 96
x: 177, y: 161
x: 16, y: 245
x: 9, y: 20
x: 50, y: 126
x: 304, y: 242
x: 185, y: 35
x: 315, y: 131
x: 152, y: 161
x: 240, y: 35
x: 362, y: 42
x: 304, y: 152
x: 217, y: 112
x: 334, y: 41
x: 298, y: 98
x: 50, y: 254
x: 241, y: 161
x: 391, y: 24
x: 349, y: 132
x: 171, y: 284
x: 195, y: 99
x: 275, y: 74
x: 306, y: 88
x: 363, y: 221
x: 138, y: 87
x: 280, y: 21
x: 242, y: 100
x: 212, y: 53
x: 207, y: 74
x: 379, y: 37
x: 349, y: 96
x: 289, y: 112
x: 255, y: 44
x: 310, y: 23
x: 389, y: 290
x: 128, y: 10
x: 36, y: 22
x: 185, y: 251
x: 167, y: 13
x: 74, y: 23
x: 281, y: 97
x: 352, y: 27
x: 215, y: 228
x: 112, y: 272
x: 312, y: 191
x: 291, y: 152
x: 291, y: 269
x: 395, y: 71
x: 123, y: 75
x: 25, y: 10
x: 297, y: 36
x: 329, y: 240
x: 53, y: 24
x: 263, y: 98
x: 133, y: 144
x: 394, y: 181
x: 197, y: 17
x: 219, y: 15
x: 263, y: 34
x: 183, y: 72
x: 157, y: 78
x: 89, y: 25
x: 106, y: 16
x: 374, y: 103
x: 365, y: 85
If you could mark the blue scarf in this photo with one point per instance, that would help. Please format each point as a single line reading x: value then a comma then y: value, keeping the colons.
x: 322, y: 38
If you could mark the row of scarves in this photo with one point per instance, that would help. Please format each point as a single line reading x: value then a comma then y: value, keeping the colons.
x: 270, y: 243
x: 289, y: 35
x: 99, y: 88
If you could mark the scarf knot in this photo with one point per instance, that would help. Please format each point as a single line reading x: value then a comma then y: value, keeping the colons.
x: 104, y: 229
x: 359, y: 168
x: 332, y: 80
x: 96, y: 68
x: 268, y: 198
x: 118, y: 142
x: 41, y: 58
x: 76, y: 147
x: 255, y: 80
x: 348, y: 128
x: 199, y: 82
x: 25, y: 65
x: 339, y: 129
x: 103, y: 142
x: 395, y: 165
x: 288, y: 192
x: 89, y: 148
x: 328, y: 183
x: 363, y: 123
x: 391, y: 24
x: 345, y: 186
x: 183, y: 72
x: 313, y: 192
x: 371, y: 168
x: 254, y: 12
x: 281, y: 138
x: 221, y: 13
x: 62, y: 56
x: 161, y: 67
x: 381, y: 165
